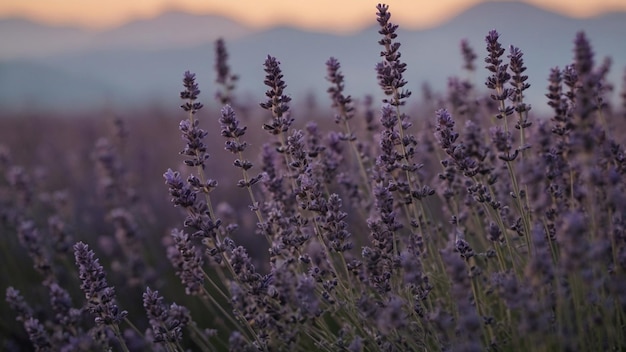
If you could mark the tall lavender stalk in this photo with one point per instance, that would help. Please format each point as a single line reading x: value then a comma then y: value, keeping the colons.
x: 101, y: 301
x: 503, y: 138
x: 345, y: 112
x: 194, y: 195
x: 396, y: 123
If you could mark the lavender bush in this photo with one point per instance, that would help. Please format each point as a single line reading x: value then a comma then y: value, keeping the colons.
x: 476, y: 225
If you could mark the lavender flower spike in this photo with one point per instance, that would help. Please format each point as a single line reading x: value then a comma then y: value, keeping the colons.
x: 390, y: 70
x: 100, y: 297
x: 190, y: 93
x: 499, y: 76
x: 278, y: 102
x: 165, y: 325
x: 224, y: 77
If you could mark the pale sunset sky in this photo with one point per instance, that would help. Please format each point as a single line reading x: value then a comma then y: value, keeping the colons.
x: 325, y: 15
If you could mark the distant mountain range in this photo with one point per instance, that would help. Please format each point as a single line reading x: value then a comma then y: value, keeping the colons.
x: 142, y: 62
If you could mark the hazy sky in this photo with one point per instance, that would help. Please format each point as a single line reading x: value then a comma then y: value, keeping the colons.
x: 339, y: 15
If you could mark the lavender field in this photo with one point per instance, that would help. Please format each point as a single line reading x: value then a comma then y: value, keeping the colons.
x: 455, y: 220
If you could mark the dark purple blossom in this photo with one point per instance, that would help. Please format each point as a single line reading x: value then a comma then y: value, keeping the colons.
x: 278, y: 102
x: 519, y: 84
x: 390, y: 71
x: 182, y: 194
x: 187, y: 262
x: 190, y: 94
x: 100, y: 296
x: 503, y: 142
x: 195, y: 149
x: 166, y: 327
x: 499, y: 74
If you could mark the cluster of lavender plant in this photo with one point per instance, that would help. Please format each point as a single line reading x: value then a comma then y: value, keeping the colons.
x: 473, y: 226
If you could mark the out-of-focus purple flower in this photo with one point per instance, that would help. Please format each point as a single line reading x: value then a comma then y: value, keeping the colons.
x: 460, y: 96
x: 66, y: 315
x: 557, y: 101
x: 224, y: 77
x: 623, y: 94
x: 32, y: 241
x: 583, y: 54
x: 468, y: 326
x: 307, y: 300
x: 573, y: 242
x: 392, y: 316
x: 242, y: 266
x: 18, y: 304
x: 587, y: 82
x: 469, y: 56
x: 503, y: 143
x: 187, y: 262
x: 335, y: 227
x: 38, y: 335
x: 60, y: 233
x: 22, y: 183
